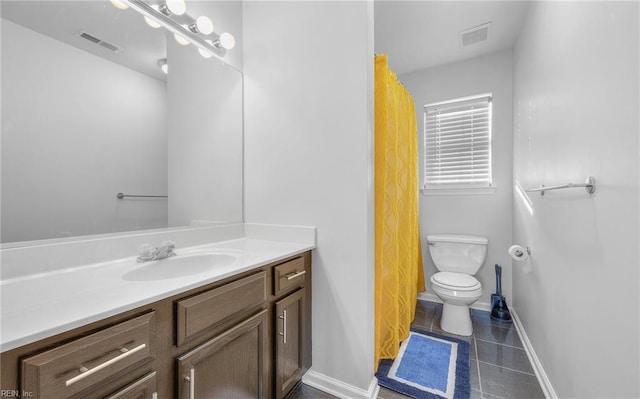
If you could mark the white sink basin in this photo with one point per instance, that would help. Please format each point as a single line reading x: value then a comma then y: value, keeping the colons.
x: 178, y: 266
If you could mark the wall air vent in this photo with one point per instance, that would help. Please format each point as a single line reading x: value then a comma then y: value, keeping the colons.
x: 475, y: 35
x: 99, y: 42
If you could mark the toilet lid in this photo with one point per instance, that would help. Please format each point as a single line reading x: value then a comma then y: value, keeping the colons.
x: 457, y: 280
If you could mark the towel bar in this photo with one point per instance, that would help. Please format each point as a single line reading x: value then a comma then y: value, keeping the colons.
x: 589, y: 185
x: 121, y: 196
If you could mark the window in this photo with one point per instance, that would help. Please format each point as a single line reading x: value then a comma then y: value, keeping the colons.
x: 457, y: 143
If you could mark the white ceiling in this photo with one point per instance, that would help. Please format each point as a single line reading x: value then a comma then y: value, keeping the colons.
x: 422, y: 34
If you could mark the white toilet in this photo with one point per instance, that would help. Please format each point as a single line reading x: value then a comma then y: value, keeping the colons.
x: 458, y: 258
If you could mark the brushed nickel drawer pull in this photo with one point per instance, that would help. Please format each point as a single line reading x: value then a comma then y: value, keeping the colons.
x: 192, y: 382
x: 284, y: 326
x: 87, y: 372
x: 293, y: 275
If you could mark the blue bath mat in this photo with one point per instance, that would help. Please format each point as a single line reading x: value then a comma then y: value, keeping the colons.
x: 429, y: 366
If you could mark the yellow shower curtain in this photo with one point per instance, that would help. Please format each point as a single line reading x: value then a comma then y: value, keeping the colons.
x: 398, y: 274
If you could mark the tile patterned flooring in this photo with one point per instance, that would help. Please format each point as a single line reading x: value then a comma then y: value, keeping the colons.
x: 499, y: 365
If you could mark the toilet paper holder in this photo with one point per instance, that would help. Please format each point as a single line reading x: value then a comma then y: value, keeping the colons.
x: 519, y: 253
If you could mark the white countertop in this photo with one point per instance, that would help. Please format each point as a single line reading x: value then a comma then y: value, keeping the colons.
x: 38, y: 306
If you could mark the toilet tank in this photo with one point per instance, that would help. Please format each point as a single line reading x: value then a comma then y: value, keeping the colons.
x: 457, y: 253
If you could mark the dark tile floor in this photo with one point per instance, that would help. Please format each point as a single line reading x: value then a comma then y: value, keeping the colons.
x: 499, y: 365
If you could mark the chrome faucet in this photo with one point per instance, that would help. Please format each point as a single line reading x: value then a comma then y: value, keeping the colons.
x: 147, y: 252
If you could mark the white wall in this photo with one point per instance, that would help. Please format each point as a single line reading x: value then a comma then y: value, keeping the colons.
x: 486, y: 215
x: 204, y: 120
x: 76, y: 130
x: 308, y: 134
x: 576, y: 114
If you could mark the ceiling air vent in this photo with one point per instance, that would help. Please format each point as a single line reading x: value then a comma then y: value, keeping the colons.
x: 475, y: 35
x: 99, y: 42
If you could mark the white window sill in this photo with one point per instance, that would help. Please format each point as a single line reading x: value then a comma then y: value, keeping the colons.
x: 459, y: 191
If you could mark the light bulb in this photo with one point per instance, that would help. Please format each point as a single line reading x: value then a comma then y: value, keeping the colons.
x: 205, y: 53
x: 227, y: 40
x: 151, y: 22
x: 177, y: 7
x: 180, y: 39
x: 203, y: 25
x: 119, y: 4
x: 162, y: 63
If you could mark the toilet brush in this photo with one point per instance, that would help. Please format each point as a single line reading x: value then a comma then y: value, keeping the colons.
x: 495, y: 297
x: 500, y: 311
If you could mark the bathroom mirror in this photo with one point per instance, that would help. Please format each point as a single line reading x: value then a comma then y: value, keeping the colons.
x: 87, y: 113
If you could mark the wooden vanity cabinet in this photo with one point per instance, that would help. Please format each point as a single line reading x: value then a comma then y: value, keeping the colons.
x: 222, y: 340
x: 264, y: 356
x: 292, y: 323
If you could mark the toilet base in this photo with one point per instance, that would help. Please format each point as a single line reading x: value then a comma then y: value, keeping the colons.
x: 456, y: 319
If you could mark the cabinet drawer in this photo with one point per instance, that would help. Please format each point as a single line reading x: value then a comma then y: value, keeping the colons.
x: 70, y: 368
x: 289, y: 274
x: 198, y: 313
x: 144, y: 388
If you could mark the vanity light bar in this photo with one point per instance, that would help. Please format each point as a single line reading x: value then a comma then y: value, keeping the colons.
x: 175, y: 28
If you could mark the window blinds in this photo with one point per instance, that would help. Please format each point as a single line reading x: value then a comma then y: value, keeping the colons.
x: 457, y: 142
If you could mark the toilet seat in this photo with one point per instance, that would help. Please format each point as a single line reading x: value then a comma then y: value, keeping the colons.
x: 455, y: 281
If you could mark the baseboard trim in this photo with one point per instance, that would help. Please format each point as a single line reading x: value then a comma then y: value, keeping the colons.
x: 338, y: 388
x: 425, y: 296
x: 541, y: 375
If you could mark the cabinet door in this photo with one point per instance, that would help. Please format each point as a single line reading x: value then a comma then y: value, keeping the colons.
x: 232, y: 365
x: 144, y: 388
x: 290, y: 333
